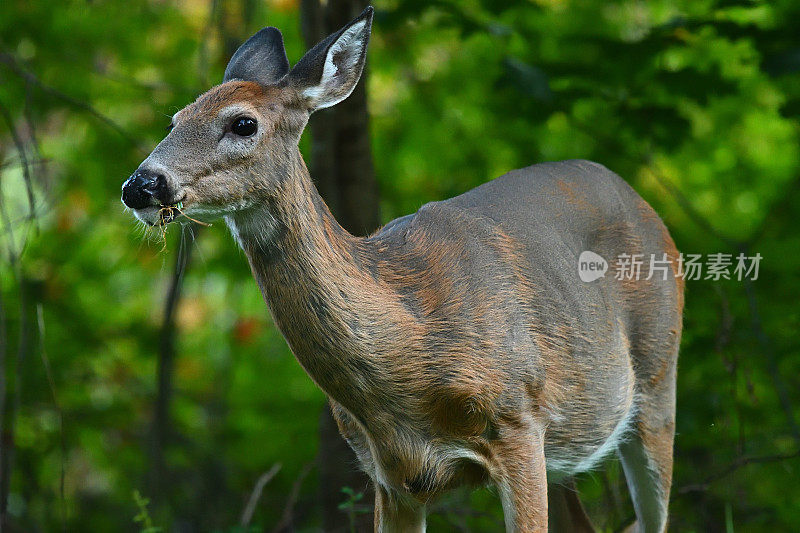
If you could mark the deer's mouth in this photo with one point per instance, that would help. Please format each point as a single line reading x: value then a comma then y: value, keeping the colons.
x: 168, y: 213
x: 159, y: 215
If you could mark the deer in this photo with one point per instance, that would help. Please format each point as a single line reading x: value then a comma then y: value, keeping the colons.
x: 457, y: 345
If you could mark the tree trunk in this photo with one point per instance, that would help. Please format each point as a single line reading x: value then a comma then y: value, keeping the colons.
x: 341, y: 165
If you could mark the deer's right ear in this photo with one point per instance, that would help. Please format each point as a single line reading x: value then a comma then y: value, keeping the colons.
x: 261, y: 59
x: 329, y: 72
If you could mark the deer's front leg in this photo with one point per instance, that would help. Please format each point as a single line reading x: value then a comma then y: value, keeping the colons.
x: 522, y: 479
x: 395, y: 515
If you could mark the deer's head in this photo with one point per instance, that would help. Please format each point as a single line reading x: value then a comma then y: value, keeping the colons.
x: 233, y: 147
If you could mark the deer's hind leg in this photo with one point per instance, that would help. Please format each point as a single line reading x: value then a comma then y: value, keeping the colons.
x: 565, y: 512
x: 646, y: 453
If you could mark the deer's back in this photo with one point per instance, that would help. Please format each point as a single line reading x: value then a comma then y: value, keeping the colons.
x: 541, y: 218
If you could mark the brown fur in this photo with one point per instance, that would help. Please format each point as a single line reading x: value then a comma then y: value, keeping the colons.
x: 457, y: 346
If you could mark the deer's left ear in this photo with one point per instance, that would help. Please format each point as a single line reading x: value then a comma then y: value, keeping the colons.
x: 329, y: 72
x: 262, y: 58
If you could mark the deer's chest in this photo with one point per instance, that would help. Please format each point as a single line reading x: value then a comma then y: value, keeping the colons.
x: 410, y: 463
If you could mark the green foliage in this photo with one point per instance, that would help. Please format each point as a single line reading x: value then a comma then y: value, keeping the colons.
x: 695, y: 103
x: 350, y: 505
x: 143, y: 518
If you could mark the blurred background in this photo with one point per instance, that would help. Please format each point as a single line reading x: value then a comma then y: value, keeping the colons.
x: 143, y: 384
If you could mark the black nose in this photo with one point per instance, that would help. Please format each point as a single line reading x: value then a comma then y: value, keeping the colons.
x: 142, y: 188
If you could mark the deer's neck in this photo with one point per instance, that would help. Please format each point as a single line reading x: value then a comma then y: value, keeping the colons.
x: 313, y: 277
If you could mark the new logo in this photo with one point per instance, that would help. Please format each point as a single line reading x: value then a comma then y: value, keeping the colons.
x: 591, y: 266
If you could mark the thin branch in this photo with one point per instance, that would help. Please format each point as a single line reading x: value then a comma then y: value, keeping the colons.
x: 250, y: 508
x: 130, y: 81
x: 166, y: 360
x: 23, y: 156
x: 288, y: 510
x: 14, y: 65
x: 7, y: 229
x: 3, y: 353
x: 740, y: 462
x: 27, y: 114
x: 680, y: 198
x: 202, y: 56
x: 783, y: 204
x: 8, y: 430
x: 11, y: 163
x: 684, y: 203
x: 62, y: 441
x: 772, y: 362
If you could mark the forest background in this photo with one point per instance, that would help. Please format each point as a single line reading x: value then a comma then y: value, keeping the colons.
x: 142, y: 382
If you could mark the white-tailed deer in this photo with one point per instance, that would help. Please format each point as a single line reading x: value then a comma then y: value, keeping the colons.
x: 457, y: 345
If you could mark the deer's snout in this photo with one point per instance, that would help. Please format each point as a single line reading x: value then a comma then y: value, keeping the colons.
x: 143, y: 187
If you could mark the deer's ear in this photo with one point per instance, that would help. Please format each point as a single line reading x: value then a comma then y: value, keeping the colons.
x: 329, y: 72
x: 261, y: 59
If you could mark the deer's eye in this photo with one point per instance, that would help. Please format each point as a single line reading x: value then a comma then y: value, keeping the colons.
x: 244, y: 126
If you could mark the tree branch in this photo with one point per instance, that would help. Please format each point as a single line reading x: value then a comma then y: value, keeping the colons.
x: 740, y: 462
x: 62, y: 441
x: 14, y: 65
x: 7, y: 440
x: 250, y: 508
x: 772, y: 363
x: 26, y: 170
x: 288, y: 510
